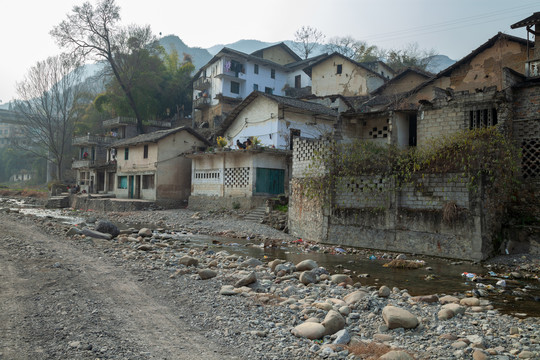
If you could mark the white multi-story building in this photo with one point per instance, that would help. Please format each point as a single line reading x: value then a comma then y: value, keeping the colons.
x: 230, y: 76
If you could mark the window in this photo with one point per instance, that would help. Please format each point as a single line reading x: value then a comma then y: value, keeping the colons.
x: 268, y: 90
x: 235, y: 87
x: 292, y: 134
x: 126, y: 154
x: 148, y: 181
x: 273, y: 73
x: 256, y: 68
x: 298, y: 81
x: 255, y: 87
x: 482, y: 118
x: 145, y: 152
x: 339, y: 69
x: 122, y: 182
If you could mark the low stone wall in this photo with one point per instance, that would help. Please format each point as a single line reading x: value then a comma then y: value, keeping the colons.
x: 218, y: 202
x: 107, y: 204
x: 369, y: 213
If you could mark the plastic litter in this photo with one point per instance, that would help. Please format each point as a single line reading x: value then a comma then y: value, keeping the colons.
x: 491, y: 273
x: 339, y: 250
x: 501, y: 283
x: 468, y: 275
x: 372, y: 257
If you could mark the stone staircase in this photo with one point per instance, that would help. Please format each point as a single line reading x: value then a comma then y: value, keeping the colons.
x: 256, y: 215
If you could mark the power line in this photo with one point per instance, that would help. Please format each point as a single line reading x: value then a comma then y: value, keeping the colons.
x: 448, y: 25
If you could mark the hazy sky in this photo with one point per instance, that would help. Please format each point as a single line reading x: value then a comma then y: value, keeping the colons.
x: 450, y: 27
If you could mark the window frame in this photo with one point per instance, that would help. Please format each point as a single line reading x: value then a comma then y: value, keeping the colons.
x: 237, y: 85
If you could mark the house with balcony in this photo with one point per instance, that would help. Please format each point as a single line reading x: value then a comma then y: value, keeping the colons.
x: 94, y: 165
x: 230, y: 76
x: 249, y: 175
x: 155, y: 167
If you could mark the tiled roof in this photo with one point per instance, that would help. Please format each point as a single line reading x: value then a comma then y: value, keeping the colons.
x: 282, y: 45
x: 324, y: 58
x: 156, y: 136
x: 307, y: 106
x: 531, y: 20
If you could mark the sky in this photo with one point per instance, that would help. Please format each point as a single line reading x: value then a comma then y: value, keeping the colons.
x: 453, y: 28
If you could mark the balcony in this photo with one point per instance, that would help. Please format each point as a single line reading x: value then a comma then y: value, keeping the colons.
x: 202, y: 103
x: 92, y: 140
x: 119, y: 121
x: 79, y: 164
x: 202, y: 83
x: 124, y: 121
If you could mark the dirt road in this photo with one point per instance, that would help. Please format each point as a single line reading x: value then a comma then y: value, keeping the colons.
x: 61, y: 299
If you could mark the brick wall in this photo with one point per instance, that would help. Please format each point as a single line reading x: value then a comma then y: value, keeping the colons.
x: 370, y: 212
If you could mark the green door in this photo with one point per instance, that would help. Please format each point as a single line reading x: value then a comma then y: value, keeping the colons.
x: 270, y: 181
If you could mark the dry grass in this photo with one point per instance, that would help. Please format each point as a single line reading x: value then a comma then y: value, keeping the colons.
x: 450, y: 212
x: 24, y: 193
x: 405, y: 264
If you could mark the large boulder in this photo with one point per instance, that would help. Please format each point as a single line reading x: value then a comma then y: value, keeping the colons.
x: 246, y: 280
x: 105, y: 226
x: 308, y: 277
x: 309, y: 330
x: 333, y: 322
x: 354, y: 297
x: 188, y: 261
x: 395, y: 317
x: 341, y: 278
x: 306, y: 265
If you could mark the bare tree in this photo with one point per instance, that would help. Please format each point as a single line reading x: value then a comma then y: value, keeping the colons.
x: 306, y: 40
x: 354, y: 49
x: 93, y: 32
x: 409, y: 56
x: 47, y: 102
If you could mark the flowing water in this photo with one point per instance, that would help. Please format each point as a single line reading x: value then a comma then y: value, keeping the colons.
x: 438, y: 276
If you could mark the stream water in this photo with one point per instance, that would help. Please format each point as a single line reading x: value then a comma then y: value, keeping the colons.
x: 438, y: 276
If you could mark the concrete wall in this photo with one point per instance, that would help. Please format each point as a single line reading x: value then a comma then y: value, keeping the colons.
x: 451, y: 114
x: 173, y: 177
x: 353, y: 81
x: 231, y: 176
x: 272, y: 126
x: 372, y: 212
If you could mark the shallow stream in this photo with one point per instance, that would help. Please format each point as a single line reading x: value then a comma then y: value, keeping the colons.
x: 438, y: 276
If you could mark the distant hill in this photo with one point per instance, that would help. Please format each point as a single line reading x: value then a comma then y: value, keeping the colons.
x: 199, y: 55
x: 439, y: 63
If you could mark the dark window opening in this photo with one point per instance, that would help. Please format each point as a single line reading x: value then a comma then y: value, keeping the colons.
x: 482, y: 118
x: 235, y: 87
x: 126, y: 154
x: 145, y: 152
x: 255, y: 87
x: 339, y: 69
x: 298, y: 81
x: 273, y: 73
x: 293, y: 133
x: 256, y: 69
x: 268, y: 90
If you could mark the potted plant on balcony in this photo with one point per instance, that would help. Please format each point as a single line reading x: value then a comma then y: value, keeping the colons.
x: 221, y: 142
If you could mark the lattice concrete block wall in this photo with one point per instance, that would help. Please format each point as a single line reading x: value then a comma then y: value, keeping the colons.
x: 433, y: 191
x: 237, y: 177
x: 363, y: 191
x: 304, y: 150
x: 208, y: 176
x: 526, y: 130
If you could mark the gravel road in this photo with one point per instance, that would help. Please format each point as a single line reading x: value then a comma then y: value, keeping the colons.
x: 65, y: 300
